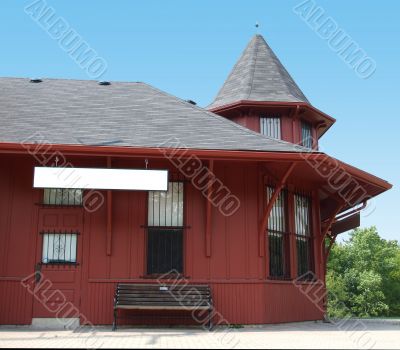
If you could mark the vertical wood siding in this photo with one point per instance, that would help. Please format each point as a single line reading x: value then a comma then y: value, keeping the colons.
x: 18, y: 216
x: 234, y: 270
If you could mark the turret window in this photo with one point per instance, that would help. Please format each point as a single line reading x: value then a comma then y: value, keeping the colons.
x: 306, y: 135
x: 271, y: 126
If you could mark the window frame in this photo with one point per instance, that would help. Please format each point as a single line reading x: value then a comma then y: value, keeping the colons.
x: 46, y: 261
x: 263, y: 125
x: 50, y: 203
x: 304, y: 233
x: 307, y: 142
x: 285, y: 259
x: 182, y: 228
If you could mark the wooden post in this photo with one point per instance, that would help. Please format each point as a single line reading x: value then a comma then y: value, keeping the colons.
x: 209, y: 208
x: 292, y: 233
x: 317, y: 232
x: 109, y: 216
x: 324, y: 251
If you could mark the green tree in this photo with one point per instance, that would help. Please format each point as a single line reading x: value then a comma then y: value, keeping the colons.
x: 364, y: 276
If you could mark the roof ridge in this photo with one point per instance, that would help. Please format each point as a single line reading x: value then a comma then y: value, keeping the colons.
x: 73, y: 79
x: 254, y: 68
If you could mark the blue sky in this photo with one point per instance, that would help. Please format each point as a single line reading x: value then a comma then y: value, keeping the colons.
x: 187, y: 48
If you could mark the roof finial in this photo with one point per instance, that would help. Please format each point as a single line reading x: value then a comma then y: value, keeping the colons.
x: 257, y: 25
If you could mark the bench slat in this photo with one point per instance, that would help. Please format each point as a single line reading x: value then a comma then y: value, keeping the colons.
x: 163, y: 307
x: 162, y: 292
x: 157, y: 287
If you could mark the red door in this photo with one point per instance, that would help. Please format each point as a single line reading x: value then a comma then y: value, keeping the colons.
x: 59, y: 261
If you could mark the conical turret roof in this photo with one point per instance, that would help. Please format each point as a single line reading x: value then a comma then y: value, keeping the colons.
x: 258, y: 76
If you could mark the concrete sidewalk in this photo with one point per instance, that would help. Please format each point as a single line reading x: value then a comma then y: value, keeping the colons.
x: 377, y: 335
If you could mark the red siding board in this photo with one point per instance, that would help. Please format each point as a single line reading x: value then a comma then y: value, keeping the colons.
x: 234, y: 270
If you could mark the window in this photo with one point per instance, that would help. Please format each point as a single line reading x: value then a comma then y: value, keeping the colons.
x: 302, y: 207
x: 62, y: 196
x: 306, y: 135
x: 59, y: 248
x: 271, y: 126
x: 165, y: 230
x: 278, y: 237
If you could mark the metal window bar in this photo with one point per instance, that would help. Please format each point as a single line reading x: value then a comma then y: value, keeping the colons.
x: 271, y: 126
x: 303, y: 231
x: 306, y: 135
x: 62, y: 197
x: 164, y: 250
x: 165, y: 229
x: 59, y: 247
x: 278, y: 237
x: 165, y: 209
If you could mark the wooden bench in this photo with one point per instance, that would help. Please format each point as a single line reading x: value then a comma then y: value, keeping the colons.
x: 129, y: 296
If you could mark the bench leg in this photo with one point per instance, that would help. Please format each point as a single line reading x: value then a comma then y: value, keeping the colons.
x: 210, y: 325
x: 115, y: 320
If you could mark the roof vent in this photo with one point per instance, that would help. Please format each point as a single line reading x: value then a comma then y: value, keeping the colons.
x: 104, y: 82
x: 35, y: 80
x: 191, y: 102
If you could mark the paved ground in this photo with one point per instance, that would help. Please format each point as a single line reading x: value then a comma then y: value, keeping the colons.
x: 350, y: 334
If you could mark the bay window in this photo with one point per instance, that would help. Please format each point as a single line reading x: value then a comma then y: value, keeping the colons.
x: 278, y: 237
x: 289, y: 225
x: 302, y: 207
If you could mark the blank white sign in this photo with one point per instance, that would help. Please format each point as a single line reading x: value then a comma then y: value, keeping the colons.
x: 101, y: 179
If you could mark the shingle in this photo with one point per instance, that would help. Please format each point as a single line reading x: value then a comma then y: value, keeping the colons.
x: 74, y: 112
x: 258, y: 76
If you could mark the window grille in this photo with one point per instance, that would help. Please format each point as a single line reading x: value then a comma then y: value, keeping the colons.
x: 271, y: 126
x: 59, y: 247
x: 278, y: 237
x: 165, y: 230
x: 306, y: 135
x: 62, y: 197
x: 302, y: 207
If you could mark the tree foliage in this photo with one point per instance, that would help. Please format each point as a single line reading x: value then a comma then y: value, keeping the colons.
x: 363, y: 277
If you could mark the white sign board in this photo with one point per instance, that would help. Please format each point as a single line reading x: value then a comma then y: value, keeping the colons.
x: 101, y: 179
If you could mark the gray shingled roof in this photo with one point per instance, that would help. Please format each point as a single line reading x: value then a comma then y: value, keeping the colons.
x: 121, y: 114
x: 258, y: 76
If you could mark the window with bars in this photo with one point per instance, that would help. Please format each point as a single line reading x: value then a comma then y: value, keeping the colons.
x: 271, y: 126
x: 59, y: 247
x: 165, y: 230
x: 304, y: 246
x: 62, y: 197
x: 306, y: 135
x: 278, y: 237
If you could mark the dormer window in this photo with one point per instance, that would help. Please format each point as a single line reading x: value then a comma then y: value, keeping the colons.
x: 271, y: 126
x: 306, y: 135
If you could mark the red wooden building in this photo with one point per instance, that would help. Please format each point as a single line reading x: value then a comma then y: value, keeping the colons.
x: 249, y: 204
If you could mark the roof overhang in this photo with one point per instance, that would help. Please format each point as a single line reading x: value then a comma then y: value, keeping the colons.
x: 307, y: 111
x: 321, y: 166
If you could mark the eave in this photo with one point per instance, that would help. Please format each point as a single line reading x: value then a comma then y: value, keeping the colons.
x: 326, y: 120
x: 113, y: 151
